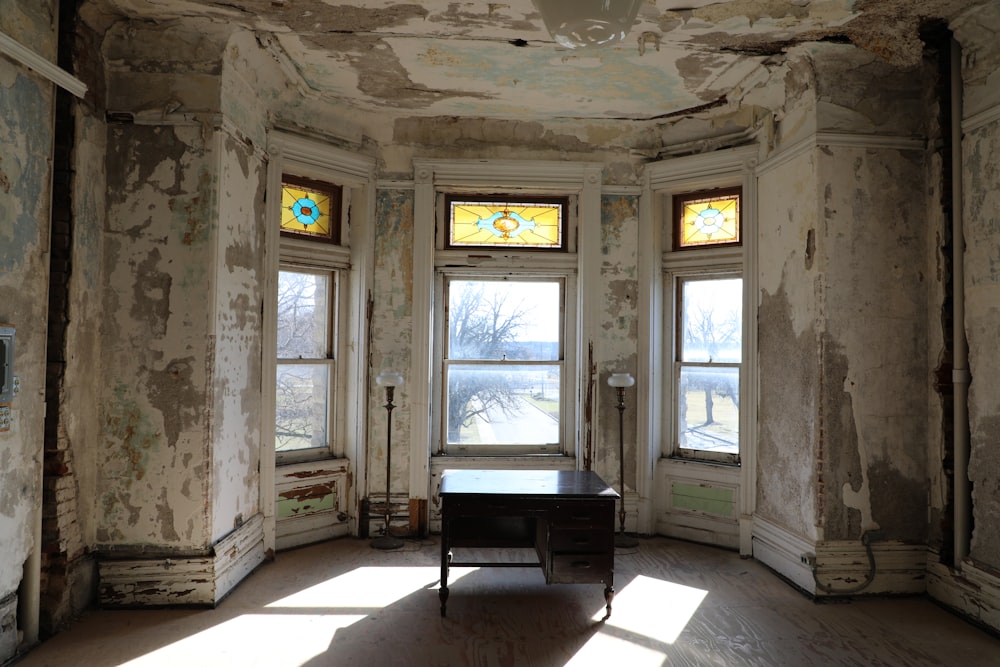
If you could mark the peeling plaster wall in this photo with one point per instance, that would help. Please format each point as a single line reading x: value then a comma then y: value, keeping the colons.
x: 26, y: 135
x: 392, y: 325
x: 236, y: 436
x: 616, y: 348
x: 179, y: 469
x: 844, y: 271
x: 981, y: 173
x: 788, y: 335
x: 154, y: 467
x: 875, y: 377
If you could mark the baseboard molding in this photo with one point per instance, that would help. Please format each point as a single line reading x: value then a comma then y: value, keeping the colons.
x: 781, y: 550
x: 8, y: 627
x: 201, y: 581
x: 311, y: 503
x: 841, y: 566
x: 700, y: 528
x: 971, y: 591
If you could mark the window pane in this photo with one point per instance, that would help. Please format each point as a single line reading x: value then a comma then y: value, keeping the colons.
x: 302, y: 406
x: 487, y: 223
x: 303, y: 315
x: 503, y: 320
x: 708, y: 414
x: 711, y: 320
x: 707, y: 219
x: 503, y: 404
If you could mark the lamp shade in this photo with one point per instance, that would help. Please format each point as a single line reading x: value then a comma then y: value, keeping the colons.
x: 389, y: 379
x: 577, y: 24
x: 621, y: 380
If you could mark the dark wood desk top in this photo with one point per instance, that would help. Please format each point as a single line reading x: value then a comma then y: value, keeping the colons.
x: 584, y: 484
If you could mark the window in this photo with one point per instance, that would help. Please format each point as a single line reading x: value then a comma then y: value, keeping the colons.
x: 708, y: 353
x: 705, y: 276
x: 504, y: 277
x: 707, y: 219
x: 305, y: 371
x: 503, y: 365
x: 310, y: 209
x: 524, y: 223
x: 307, y: 313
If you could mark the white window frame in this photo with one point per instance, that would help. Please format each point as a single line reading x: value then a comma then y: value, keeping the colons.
x: 352, y: 262
x: 566, y: 372
x: 710, y: 268
x: 580, y: 264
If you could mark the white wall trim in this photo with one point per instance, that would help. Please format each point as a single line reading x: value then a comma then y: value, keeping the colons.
x: 183, y: 580
x: 981, y: 119
x: 504, y: 174
x: 649, y: 354
x: 900, y: 569
x: 781, y: 550
x: 356, y: 173
x: 973, y: 592
x: 57, y: 75
x: 785, y: 154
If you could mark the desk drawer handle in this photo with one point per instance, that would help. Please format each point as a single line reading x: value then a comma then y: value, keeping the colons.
x: 581, y: 540
x: 581, y: 564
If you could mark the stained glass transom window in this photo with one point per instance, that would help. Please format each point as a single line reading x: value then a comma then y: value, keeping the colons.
x: 704, y: 219
x: 310, y: 209
x: 531, y: 224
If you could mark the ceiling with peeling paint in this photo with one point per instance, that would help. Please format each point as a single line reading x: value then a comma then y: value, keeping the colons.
x: 496, y: 60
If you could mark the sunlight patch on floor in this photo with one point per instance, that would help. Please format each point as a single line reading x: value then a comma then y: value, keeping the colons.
x: 362, y: 587
x: 298, y: 638
x: 646, y: 615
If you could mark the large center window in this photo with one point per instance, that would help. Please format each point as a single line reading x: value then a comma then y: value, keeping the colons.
x: 503, y: 365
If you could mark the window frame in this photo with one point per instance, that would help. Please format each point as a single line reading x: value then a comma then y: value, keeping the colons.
x: 674, y: 280
x: 333, y: 355
x: 507, y: 262
x: 445, y: 277
x: 721, y: 260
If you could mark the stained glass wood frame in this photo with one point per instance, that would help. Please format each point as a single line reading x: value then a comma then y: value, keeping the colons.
x: 524, y: 223
x: 708, y: 219
x: 310, y: 209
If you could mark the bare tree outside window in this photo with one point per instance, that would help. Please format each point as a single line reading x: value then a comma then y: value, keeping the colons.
x: 710, y: 354
x: 304, y: 360
x: 503, y: 362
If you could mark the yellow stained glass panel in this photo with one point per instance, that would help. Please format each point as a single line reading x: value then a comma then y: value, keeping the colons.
x: 305, y: 211
x: 521, y: 224
x: 708, y: 221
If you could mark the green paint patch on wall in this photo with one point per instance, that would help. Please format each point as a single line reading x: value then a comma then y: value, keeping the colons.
x: 301, y: 505
x: 708, y: 499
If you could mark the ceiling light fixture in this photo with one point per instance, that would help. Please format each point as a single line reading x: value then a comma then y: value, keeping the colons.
x: 578, y: 24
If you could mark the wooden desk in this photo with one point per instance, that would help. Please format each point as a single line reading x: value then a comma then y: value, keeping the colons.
x: 568, y: 517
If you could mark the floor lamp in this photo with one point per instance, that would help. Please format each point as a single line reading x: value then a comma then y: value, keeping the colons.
x: 620, y: 381
x: 390, y: 380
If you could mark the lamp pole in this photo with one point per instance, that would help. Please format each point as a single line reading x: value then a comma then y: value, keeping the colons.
x: 620, y: 381
x: 390, y: 380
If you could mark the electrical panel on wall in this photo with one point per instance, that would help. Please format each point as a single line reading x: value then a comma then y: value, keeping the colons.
x: 8, y: 381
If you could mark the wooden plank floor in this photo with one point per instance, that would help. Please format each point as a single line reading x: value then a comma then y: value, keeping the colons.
x: 343, y: 603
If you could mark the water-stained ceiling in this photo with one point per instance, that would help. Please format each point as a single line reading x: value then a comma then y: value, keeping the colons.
x: 495, y: 59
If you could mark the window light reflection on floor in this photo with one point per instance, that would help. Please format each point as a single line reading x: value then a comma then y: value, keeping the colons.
x: 365, y: 587
x: 648, y: 613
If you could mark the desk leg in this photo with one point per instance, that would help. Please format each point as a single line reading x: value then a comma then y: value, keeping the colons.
x: 609, y: 596
x: 445, y: 565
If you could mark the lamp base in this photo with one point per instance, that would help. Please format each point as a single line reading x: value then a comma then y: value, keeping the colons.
x: 386, y: 542
x: 623, y: 541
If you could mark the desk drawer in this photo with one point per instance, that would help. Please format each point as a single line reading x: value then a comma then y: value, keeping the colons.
x: 581, y: 568
x: 488, y: 506
x: 582, y: 540
x: 583, y: 513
